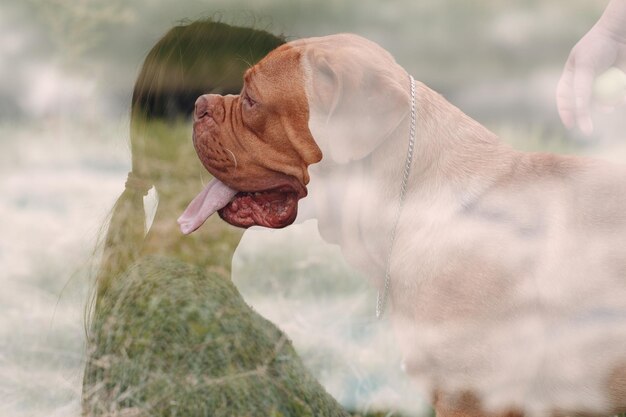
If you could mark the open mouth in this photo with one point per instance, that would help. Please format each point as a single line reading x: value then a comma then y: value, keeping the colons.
x: 276, y: 207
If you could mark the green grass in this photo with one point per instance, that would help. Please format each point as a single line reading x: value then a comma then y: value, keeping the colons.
x: 169, y: 340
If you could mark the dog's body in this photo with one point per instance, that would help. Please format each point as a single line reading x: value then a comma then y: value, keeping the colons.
x: 508, y: 272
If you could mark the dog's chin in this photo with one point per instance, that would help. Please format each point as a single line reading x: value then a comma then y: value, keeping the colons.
x: 275, y: 208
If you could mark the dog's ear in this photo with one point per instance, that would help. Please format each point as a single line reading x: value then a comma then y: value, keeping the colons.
x: 357, y: 95
x: 325, y: 83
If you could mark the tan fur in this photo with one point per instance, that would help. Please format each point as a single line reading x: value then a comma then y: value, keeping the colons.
x: 617, y: 389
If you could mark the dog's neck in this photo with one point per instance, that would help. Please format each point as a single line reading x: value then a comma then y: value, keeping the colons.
x: 455, y: 160
x: 452, y: 150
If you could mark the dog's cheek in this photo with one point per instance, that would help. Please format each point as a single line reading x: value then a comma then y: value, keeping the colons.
x: 254, y: 119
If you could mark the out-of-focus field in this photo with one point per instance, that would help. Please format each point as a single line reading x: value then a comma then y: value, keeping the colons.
x: 66, y: 73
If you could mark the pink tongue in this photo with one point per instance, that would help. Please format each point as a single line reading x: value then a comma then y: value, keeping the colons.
x: 215, y: 196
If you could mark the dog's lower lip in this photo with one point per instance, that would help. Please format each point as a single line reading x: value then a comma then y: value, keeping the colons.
x: 295, y: 188
x: 275, y: 208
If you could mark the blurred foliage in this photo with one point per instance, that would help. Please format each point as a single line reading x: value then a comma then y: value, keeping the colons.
x: 314, y: 272
x: 536, y: 138
x: 446, y: 44
x: 454, y: 46
x: 78, y: 26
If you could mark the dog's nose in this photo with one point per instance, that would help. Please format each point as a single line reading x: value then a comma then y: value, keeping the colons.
x: 211, y: 107
x: 201, y: 108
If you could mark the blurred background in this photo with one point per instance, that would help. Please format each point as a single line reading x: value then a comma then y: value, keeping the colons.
x: 67, y: 70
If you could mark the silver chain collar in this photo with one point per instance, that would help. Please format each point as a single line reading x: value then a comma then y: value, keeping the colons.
x: 381, y: 299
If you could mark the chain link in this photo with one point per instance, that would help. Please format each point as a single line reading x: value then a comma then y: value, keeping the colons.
x: 381, y: 299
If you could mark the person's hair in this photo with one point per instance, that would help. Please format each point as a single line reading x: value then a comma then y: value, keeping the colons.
x: 190, y: 60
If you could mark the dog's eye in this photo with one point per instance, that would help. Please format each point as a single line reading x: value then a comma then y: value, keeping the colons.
x: 248, y: 100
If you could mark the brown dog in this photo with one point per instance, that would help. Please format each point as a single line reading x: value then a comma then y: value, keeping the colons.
x: 508, y: 269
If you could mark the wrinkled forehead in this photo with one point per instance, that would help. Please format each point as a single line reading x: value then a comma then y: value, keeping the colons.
x: 282, y: 66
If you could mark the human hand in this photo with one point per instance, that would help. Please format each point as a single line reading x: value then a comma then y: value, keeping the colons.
x: 600, y: 49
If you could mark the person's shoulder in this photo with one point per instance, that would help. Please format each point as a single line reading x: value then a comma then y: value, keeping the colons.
x: 164, y: 276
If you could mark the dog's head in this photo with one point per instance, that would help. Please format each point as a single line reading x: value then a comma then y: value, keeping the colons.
x: 335, y: 99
